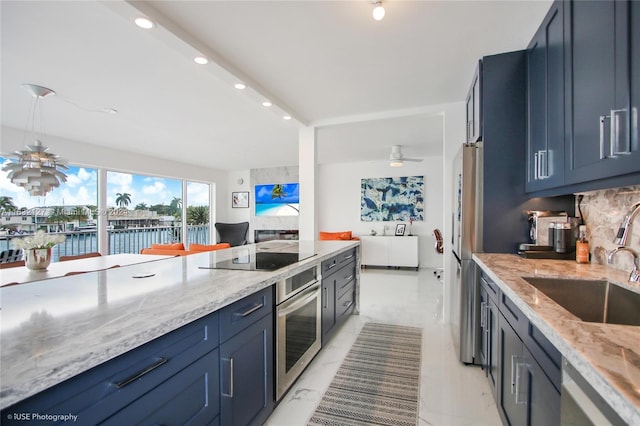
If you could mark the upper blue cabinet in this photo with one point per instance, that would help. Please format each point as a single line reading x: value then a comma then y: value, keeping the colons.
x: 545, y: 99
x: 601, y: 110
x: 583, y: 91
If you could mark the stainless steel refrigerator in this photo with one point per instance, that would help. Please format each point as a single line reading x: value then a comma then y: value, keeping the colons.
x: 466, y: 239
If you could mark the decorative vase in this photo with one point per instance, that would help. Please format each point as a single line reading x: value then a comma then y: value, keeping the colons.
x: 38, y: 259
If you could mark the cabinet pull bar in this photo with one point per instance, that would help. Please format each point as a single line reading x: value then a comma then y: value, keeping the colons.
x: 332, y: 265
x: 141, y: 373
x: 349, y: 257
x: 615, y: 133
x: 603, y: 118
x: 250, y: 310
x: 326, y: 298
x: 535, y: 166
x: 348, y: 304
x: 230, y: 394
x: 518, y: 365
x: 513, y: 384
x: 483, y: 306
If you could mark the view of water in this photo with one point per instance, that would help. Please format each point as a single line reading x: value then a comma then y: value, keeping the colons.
x: 130, y: 240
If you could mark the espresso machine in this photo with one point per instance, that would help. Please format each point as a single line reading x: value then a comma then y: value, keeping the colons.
x: 553, y: 235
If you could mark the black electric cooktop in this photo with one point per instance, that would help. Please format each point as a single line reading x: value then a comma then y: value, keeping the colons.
x: 260, y: 261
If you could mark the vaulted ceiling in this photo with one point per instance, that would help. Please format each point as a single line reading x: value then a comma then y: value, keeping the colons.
x: 366, y: 84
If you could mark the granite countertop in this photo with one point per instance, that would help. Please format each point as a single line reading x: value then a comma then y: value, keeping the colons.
x: 55, y: 329
x: 607, y: 355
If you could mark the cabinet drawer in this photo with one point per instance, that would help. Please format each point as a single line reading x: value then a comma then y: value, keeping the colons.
x: 344, y: 277
x: 241, y: 314
x: 329, y: 266
x: 189, y: 397
x: 546, y: 354
x: 346, y: 302
x: 492, y: 289
x: 102, y: 391
x: 513, y: 315
x: 346, y: 257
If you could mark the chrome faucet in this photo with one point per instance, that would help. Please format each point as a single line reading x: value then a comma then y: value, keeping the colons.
x: 625, y: 226
x: 634, y: 276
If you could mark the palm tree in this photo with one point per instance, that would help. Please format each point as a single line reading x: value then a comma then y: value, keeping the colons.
x: 197, y: 215
x: 123, y: 199
x: 58, y: 215
x: 6, y: 204
x: 141, y: 206
x: 278, y: 192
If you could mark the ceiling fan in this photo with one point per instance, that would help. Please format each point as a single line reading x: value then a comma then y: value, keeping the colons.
x: 396, y: 159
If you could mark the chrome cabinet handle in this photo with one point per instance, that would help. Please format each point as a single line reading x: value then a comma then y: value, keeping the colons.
x: 250, y: 310
x: 347, y: 304
x: 618, y: 115
x: 230, y: 394
x: 483, y: 314
x: 520, y: 364
x: 348, y: 257
x: 140, y: 373
x: 603, y: 118
x: 326, y: 298
x: 535, y: 166
x: 543, y: 162
x: 332, y: 265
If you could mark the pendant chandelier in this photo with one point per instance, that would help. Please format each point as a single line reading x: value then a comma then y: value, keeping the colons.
x: 35, y: 169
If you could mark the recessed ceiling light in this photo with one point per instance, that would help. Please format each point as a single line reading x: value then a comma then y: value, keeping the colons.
x: 239, y: 86
x: 266, y: 104
x: 287, y: 117
x: 200, y: 60
x: 144, y: 23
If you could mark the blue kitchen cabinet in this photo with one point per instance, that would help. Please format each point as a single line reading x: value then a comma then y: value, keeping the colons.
x: 338, y: 291
x: 246, y: 361
x: 601, y: 110
x: 488, y: 338
x: 545, y: 100
x: 140, y: 383
x: 329, y: 270
x: 530, y: 375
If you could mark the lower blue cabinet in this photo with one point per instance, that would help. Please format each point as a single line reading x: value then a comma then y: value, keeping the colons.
x: 246, y: 375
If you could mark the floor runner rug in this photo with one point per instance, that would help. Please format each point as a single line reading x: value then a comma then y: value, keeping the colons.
x: 378, y: 383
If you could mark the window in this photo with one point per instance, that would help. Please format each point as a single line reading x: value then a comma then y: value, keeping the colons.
x: 141, y: 210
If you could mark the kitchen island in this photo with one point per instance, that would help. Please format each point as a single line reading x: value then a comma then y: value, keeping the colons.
x: 56, y: 329
x: 607, y: 356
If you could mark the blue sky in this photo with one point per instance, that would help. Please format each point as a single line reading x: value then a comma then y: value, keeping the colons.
x: 292, y: 191
x: 81, y: 189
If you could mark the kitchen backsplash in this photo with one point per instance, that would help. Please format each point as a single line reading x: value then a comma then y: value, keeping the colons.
x: 603, y: 213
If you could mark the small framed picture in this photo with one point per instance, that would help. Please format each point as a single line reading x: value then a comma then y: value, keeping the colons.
x: 400, y: 229
x: 240, y: 200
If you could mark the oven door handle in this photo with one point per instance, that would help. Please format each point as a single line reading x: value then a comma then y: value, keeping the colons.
x: 299, y: 300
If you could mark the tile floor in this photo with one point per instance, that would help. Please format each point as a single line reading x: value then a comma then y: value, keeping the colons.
x: 450, y: 394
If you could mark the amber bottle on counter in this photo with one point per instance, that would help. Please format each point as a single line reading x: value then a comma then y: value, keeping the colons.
x: 582, y: 246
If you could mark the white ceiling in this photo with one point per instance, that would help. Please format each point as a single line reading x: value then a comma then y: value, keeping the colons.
x: 327, y: 63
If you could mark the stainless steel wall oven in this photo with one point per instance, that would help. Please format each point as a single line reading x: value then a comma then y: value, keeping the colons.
x: 298, y: 325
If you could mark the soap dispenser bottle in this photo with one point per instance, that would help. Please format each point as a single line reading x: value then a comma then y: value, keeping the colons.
x: 582, y: 246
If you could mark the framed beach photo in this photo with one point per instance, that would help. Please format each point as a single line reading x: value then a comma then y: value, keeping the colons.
x: 240, y: 200
x: 400, y: 229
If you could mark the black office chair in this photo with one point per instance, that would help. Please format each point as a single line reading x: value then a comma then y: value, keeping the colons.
x: 439, y: 249
x: 233, y: 233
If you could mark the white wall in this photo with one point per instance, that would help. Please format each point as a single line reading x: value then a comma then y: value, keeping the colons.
x: 338, y: 200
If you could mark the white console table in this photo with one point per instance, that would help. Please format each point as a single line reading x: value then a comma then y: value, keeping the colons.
x: 389, y: 251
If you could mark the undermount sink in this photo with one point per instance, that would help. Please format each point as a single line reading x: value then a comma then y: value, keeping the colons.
x: 592, y: 300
